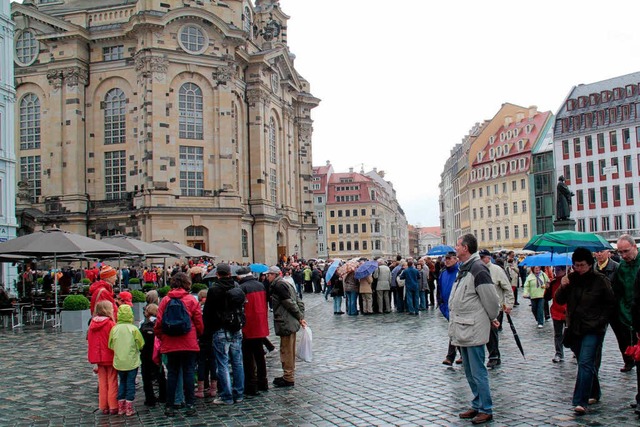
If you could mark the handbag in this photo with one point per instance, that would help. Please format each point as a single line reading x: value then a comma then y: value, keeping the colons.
x: 400, y: 281
x: 569, y: 339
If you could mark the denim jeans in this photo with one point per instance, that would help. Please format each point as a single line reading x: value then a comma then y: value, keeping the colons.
x: 588, y: 350
x: 413, y: 300
x: 352, y: 303
x: 337, y: 304
x: 398, y: 298
x: 127, y: 387
x: 477, y: 377
x: 537, y: 308
x: 423, y: 300
x: 327, y: 291
x: 181, y: 367
x: 227, y: 348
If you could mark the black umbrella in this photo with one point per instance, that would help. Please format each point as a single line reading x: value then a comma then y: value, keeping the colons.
x: 515, y: 335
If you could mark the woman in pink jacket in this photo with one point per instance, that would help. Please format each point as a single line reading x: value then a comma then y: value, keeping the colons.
x: 181, y: 350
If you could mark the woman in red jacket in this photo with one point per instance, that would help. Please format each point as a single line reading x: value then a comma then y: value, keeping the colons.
x: 100, y: 354
x: 181, y: 350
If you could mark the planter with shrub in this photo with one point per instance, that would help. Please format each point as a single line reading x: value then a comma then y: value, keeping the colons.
x: 139, y: 301
x: 163, y: 291
x: 75, y: 314
x: 197, y: 287
x: 148, y: 287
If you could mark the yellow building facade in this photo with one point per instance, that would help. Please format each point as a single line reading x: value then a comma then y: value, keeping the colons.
x: 183, y: 120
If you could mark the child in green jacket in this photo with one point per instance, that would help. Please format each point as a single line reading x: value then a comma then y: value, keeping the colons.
x: 126, y: 341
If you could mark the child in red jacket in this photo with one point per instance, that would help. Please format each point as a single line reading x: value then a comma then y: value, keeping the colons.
x: 100, y: 354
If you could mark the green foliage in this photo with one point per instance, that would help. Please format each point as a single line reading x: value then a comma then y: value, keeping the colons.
x: 86, y: 281
x: 197, y: 287
x: 40, y: 281
x: 134, y: 280
x: 147, y: 287
x: 76, y: 302
x: 138, y: 296
x: 163, y: 291
x: 85, y: 290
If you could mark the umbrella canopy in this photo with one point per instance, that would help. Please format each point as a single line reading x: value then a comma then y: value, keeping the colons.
x: 440, y: 250
x: 547, y: 259
x: 212, y: 274
x: 258, y: 268
x: 183, y: 250
x: 54, y: 242
x: 515, y: 335
x: 567, y: 241
x: 332, y: 269
x: 138, y: 247
x: 366, y: 269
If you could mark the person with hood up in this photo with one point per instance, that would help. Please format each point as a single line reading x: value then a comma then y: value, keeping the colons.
x: 126, y: 341
x: 101, y: 355
x: 102, y: 290
x: 445, y: 284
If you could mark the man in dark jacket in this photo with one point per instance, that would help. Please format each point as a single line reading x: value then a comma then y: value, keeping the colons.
x: 590, y: 302
x: 255, y: 330
x: 227, y: 345
x: 288, y: 316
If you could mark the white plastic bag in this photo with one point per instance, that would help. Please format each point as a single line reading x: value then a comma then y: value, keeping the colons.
x: 305, y: 350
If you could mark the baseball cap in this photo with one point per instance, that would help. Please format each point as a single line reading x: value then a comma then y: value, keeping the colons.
x: 242, y: 271
x: 484, y: 252
x: 274, y: 269
x: 223, y: 269
x: 450, y: 255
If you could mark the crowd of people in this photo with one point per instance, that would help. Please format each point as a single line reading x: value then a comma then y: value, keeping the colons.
x: 192, y: 346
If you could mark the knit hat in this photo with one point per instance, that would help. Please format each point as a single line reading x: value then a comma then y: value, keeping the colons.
x: 126, y: 298
x: 223, y: 269
x: 107, y: 271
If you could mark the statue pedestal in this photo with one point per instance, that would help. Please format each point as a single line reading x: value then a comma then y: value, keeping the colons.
x: 564, y: 225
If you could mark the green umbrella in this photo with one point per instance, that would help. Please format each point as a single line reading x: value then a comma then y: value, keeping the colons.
x: 567, y: 241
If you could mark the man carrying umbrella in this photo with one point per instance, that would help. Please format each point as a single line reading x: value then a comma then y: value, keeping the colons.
x: 473, y: 309
x: 505, y: 296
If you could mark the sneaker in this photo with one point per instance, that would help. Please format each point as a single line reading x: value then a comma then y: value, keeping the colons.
x: 492, y: 363
x: 218, y: 401
x: 557, y: 359
x: 447, y: 362
x: 580, y: 410
x: 540, y: 326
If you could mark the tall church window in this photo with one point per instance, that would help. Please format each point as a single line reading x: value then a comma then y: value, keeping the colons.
x: 115, y: 123
x: 272, y: 140
x: 245, y: 244
x: 246, y: 20
x: 29, y: 122
x: 30, y: 172
x: 191, y: 171
x: 190, y: 110
x: 115, y: 174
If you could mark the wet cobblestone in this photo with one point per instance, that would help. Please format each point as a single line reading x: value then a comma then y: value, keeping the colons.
x: 367, y: 371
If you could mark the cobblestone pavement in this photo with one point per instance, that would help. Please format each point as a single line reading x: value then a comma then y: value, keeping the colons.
x: 367, y: 370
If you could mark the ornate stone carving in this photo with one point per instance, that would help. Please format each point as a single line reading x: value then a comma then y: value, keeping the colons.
x: 256, y: 95
x: 224, y: 74
x: 74, y: 76
x: 24, y: 192
x: 148, y: 66
x: 304, y: 132
x: 55, y: 78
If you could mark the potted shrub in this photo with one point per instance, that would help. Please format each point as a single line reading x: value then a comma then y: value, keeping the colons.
x: 163, y: 291
x: 75, y: 314
x: 139, y: 299
x: 148, y: 286
x: 197, y: 287
x: 86, y: 281
x: 134, y: 283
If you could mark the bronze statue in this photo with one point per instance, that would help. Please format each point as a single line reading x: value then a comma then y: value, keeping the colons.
x: 563, y: 200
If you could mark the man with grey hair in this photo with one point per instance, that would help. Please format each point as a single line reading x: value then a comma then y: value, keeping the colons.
x: 288, y: 317
x: 622, y: 285
x: 473, y: 310
x: 383, y: 275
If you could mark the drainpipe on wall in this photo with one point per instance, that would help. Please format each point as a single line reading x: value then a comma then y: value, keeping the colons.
x: 253, y: 218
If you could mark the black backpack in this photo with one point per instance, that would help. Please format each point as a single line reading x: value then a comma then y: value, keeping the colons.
x: 176, y: 320
x: 233, y: 318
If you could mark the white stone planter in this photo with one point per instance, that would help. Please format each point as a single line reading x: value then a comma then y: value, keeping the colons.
x: 75, y: 320
x: 138, y: 311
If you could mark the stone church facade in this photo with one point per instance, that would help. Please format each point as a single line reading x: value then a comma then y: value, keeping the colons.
x: 181, y: 120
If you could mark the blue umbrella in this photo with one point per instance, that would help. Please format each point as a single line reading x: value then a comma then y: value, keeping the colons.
x: 440, y: 250
x: 547, y: 259
x: 332, y: 269
x: 366, y: 269
x: 259, y: 268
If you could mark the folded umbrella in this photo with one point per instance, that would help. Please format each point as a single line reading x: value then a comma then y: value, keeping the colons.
x: 440, y: 250
x: 515, y: 335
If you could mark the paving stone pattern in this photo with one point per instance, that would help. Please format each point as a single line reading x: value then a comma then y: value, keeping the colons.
x: 367, y: 371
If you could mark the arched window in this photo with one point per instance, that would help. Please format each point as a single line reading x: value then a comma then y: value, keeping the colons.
x: 247, y: 21
x: 195, y: 231
x: 29, y: 122
x: 115, y: 123
x: 272, y: 140
x: 190, y: 106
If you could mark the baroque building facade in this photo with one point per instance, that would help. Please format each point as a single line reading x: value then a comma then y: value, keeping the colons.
x: 182, y: 120
x: 597, y: 150
x: 8, y: 223
x: 321, y: 177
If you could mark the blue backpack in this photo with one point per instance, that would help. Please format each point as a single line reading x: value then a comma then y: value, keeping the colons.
x: 175, y: 319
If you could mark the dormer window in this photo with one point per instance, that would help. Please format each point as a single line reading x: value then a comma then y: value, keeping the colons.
x: 605, y: 95
x: 582, y: 102
x: 571, y: 103
x: 593, y: 99
x: 630, y: 89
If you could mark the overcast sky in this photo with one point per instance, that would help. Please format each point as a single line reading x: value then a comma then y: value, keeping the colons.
x: 402, y: 82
